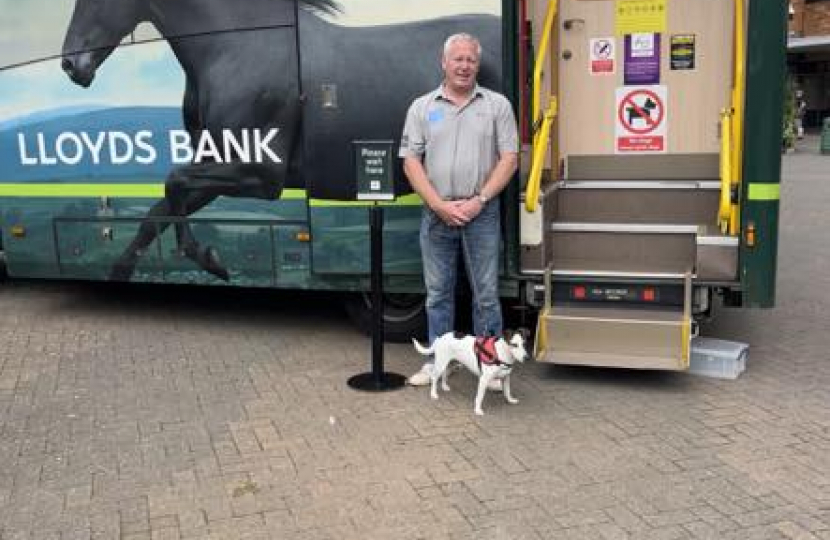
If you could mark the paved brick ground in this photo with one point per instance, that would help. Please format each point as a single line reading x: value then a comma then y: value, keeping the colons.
x: 147, y: 413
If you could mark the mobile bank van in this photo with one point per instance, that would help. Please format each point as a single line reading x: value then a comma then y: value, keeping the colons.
x: 213, y: 142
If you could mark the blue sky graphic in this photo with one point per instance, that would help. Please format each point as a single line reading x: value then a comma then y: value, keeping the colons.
x: 144, y: 74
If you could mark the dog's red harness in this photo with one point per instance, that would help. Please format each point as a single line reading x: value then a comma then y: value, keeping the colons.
x: 485, y: 349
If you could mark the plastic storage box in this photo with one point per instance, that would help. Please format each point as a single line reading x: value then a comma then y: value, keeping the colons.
x: 718, y: 358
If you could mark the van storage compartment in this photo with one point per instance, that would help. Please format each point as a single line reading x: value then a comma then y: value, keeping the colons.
x: 718, y: 358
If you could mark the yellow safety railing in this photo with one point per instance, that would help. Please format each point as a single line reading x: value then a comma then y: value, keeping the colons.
x: 539, y: 63
x: 732, y: 134
x: 738, y: 93
x: 726, y: 168
x: 541, y: 125
x: 537, y: 160
x: 540, y: 345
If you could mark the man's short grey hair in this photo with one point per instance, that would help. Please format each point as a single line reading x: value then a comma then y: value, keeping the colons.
x: 455, y: 38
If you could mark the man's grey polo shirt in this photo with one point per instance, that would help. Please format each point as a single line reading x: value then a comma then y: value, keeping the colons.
x: 460, y: 146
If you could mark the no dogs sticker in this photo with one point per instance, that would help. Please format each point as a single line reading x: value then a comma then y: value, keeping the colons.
x: 641, y: 120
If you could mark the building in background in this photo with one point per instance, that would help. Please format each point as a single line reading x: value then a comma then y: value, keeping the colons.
x: 808, y: 56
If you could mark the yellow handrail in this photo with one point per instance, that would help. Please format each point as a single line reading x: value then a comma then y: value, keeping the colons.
x: 726, y: 168
x: 738, y: 93
x: 538, y: 65
x: 541, y: 136
x: 540, y: 145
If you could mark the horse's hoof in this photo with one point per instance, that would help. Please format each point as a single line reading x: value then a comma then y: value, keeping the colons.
x: 211, y: 263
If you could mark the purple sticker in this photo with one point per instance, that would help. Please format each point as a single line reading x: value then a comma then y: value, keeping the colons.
x: 642, y: 59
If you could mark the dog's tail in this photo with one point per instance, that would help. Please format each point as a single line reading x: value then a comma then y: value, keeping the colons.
x: 421, y: 349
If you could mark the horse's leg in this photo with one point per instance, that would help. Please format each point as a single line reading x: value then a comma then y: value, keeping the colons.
x: 148, y: 231
x: 192, y: 187
x: 180, y: 208
x: 207, y: 258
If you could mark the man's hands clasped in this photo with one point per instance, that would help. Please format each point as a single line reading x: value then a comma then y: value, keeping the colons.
x: 460, y: 212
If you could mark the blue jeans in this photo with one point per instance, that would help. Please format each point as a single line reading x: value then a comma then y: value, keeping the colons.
x: 478, y: 242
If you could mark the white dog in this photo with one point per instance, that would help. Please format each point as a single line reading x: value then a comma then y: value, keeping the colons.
x: 488, y: 358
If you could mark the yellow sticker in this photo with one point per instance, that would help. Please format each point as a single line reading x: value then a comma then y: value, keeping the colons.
x: 640, y: 16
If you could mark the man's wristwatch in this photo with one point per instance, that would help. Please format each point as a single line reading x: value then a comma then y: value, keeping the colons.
x: 482, y: 199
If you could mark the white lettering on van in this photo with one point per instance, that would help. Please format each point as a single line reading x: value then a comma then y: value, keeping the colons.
x: 180, y: 150
x: 121, y: 148
x: 25, y: 159
x: 96, y: 146
x: 143, y: 141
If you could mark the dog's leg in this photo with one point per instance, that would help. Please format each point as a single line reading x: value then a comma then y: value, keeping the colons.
x: 444, y: 386
x: 434, y: 379
x: 505, y: 385
x: 483, y: 381
x: 439, y: 370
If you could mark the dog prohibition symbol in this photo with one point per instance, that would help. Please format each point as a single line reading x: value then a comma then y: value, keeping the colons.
x: 504, y: 352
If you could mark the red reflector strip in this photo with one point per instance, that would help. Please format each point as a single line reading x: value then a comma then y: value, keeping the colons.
x: 649, y: 295
x: 579, y: 292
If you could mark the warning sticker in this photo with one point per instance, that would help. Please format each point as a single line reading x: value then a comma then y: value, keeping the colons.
x: 641, y: 120
x: 602, y: 54
x: 683, y: 51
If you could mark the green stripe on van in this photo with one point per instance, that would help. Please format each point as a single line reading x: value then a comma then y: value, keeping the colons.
x: 764, y: 192
x: 407, y: 200
x: 156, y: 191
x: 134, y: 191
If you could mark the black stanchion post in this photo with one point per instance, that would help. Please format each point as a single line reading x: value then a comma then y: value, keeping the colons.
x: 377, y: 380
x: 376, y: 216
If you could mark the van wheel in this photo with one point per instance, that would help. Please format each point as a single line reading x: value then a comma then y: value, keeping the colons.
x: 404, y: 315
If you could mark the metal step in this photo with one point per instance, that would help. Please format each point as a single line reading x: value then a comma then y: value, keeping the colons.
x: 623, y: 249
x: 655, y: 201
x: 616, y: 335
x: 664, y: 166
x: 655, y: 229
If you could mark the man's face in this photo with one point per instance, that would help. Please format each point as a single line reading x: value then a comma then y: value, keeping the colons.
x: 460, y: 66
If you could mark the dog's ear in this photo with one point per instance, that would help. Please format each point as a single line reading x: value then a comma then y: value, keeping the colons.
x: 507, y: 334
x: 524, y: 332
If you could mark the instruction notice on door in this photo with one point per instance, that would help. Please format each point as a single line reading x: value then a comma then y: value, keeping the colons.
x: 603, y: 55
x: 641, y: 120
x: 642, y: 59
x: 640, y: 16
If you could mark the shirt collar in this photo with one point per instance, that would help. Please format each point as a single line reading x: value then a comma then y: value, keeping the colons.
x: 439, y: 93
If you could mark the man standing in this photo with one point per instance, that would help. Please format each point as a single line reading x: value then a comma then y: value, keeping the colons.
x: 460, y: 148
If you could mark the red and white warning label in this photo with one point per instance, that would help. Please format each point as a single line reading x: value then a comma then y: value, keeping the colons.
x: 642, y: 119
x: 603, y: 55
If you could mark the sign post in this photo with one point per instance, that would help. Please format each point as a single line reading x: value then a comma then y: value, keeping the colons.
x: 375, y: 183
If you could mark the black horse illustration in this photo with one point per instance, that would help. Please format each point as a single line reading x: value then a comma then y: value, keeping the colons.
x: 261, y: 64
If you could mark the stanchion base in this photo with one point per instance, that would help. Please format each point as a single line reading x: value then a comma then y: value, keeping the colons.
x: 369, y: 382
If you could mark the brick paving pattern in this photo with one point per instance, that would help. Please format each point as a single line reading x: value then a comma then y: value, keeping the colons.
x: 173, y: 413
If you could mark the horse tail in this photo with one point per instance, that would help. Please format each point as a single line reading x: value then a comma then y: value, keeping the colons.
x: 328, y: 7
